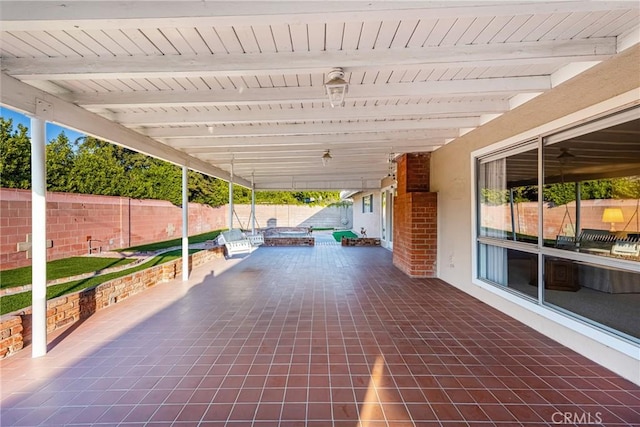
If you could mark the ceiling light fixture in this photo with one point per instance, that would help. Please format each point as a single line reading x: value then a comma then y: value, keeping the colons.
x: 326, y: 158
x: 336, y: 87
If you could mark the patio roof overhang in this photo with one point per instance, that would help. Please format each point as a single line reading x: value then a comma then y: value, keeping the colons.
x: 209, y: 85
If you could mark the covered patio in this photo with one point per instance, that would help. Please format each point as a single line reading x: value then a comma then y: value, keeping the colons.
x: 308, y: 336
x: 313, y: 336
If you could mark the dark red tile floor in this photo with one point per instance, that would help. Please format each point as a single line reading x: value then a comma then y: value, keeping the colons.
x: 308, y: 337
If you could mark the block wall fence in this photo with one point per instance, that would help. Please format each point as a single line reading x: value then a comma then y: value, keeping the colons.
x: 15, y: 329
x: 120, y: 222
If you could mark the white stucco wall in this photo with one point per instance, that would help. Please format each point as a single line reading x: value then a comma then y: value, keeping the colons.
x: 369, y: 220
x: 600, y: 89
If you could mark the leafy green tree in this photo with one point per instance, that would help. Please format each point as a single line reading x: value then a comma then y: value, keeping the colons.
x: 97, y: 169
x: 626, y: 188
x: 60, y: 160
x: 94, y: 166
x: 15, y: 156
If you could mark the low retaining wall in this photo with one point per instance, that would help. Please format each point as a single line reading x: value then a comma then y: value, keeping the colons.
x: 15, y: 328
x: 361, y: 241
x: 289, y: 241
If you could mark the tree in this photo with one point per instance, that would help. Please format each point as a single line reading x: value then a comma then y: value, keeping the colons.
x: 97, y: 169
x: 15, y: 156
x: 94, y: 166
x: 60, y: 160
x: 626, y: 188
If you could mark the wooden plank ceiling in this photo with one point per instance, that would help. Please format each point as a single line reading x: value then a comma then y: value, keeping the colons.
x: 211, y: 84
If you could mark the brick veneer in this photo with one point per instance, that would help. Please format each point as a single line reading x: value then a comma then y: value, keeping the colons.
x: 413, y: 172
x: 360, y: 241
x: 289, y: 241
x: 15, y: 328
x: 415, y: 219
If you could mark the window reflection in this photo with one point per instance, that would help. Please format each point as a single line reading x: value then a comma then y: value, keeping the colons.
x: 592, y: 193
x: 508, y: 197
x: 607, y: 295
x: 590, y: 206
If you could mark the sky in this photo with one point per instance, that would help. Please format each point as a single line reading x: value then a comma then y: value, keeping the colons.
x: 52, y: 130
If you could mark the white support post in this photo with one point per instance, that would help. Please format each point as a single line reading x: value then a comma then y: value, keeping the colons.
x: 253, y: 206
x: 231, y: 199
x: 185, y: 225
x: 39, y: 238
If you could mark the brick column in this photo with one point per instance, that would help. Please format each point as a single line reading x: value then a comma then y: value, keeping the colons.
x: 415, y: 218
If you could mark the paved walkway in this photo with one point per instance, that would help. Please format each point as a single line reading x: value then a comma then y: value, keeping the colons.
x: 316, y: 336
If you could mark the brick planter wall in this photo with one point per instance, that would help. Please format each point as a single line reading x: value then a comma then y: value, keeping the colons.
x: 361, y: 241
x: 415, y: 218
x: 15, y: 328
x: 289, y: 241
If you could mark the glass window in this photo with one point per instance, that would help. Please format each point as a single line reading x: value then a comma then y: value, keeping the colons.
x: 590, y: 209
x: 607, y: 295
x: 592, y: 192
x: 367, y: 204
x: 509, y: 268
x: 508, y: 196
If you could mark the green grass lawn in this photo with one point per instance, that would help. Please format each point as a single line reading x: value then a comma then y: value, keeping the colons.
x: 74, y: 266
x: 152, y: 247
x: 59, y: 269
x: 10, y: 303
x: 338, y: 235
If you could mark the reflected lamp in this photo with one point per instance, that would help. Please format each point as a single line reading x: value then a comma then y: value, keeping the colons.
x: 612, y: 216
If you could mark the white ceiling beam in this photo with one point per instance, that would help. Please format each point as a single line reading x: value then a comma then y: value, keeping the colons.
x: 301, y: 172
x: 481, y: 55
x: 87, y: 15
x: 433, y: 125
x: 303, y: 168
x: 629, y: 39
x: 571, y: 70
x: 310, y: 114
x: 36, y: 103
x: 372, y: 157
x: 307, y: 152
x: 357, y: 93
x: 355, y: 139
x: 319, y: 185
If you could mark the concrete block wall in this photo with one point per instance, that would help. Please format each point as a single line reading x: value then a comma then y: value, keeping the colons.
x: 556, y: 220
x: 121, y: 222
x: 294, y: 216
x: 415, y: 220
x: 113, y: 222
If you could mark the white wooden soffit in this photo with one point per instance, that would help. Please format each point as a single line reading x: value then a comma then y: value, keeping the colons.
x: 47, y: 15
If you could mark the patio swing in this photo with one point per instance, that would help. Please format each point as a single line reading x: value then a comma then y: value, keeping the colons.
x: 564, y: 240
x: 237, y: 241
